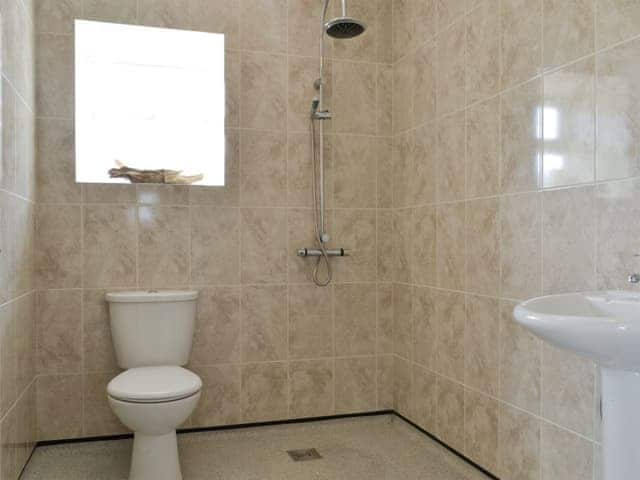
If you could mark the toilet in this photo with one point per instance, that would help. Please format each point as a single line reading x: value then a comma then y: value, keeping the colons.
x: 152, y: 335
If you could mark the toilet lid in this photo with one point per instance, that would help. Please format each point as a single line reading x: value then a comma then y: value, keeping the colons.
x: 154, y: 384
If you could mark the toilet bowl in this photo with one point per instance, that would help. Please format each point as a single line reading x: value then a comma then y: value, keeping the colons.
x: 152, y: 335
x: 153, y: 402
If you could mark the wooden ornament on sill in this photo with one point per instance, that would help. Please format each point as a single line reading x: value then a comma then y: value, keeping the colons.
x: 134, y: 175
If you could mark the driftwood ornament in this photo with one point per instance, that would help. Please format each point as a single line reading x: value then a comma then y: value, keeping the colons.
x: 162, y: 175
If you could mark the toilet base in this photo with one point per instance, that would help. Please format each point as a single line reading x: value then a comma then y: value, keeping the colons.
x: 155, y: 457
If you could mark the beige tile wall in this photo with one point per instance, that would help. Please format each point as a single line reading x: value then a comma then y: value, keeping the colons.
x: 496, y: 201
x: 17, y: 224
x: 269, y: 344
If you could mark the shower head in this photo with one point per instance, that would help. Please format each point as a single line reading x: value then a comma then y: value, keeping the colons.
x: 344, y: 27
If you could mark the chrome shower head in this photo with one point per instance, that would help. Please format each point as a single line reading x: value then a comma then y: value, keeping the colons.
x: 344, y: 27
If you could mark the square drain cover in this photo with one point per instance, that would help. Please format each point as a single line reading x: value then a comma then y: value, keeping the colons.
x: 304, y: 455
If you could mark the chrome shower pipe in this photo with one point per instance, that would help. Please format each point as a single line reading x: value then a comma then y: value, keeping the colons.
x: 323, y: 235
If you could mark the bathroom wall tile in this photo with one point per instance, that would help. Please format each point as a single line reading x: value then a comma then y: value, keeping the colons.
x: 425, y: 14
x: 616, y: 202
x: 356, y: 231
x: 355, y: 319
x: 233, y: 87
x: 8, y: 446
x: 384, y: 25
x: 310, y: 321
x: 173, y: 195
x: 229, y: 194
x: 564, y: 455
x: 215, y: 238
x: 355, y: 165
x: 568, y: 30
x: 59, y: 407
x: 617, y: 119
x: 403, y: 94
x: 402, y: 321
x: 217, y: 335
x: 402, y: 388
x: 58, y: 253
x: 264, y: 323
x: 304, y: 27
x: 100, y: 419
x: 385, y: 99
x: 616, y: 21
x: 450, y: 172
x: 105, y: 193
x: 7, y: 259
x: 450, y: 245
x: 423, y: 176
x: 355, y: 384
x: 450, y: 413
x: 59, y: 333
x: 354, y: 97
x: 569, y: 125
x: 483, y: 242
x: 448, y: 11
x: 163, y: 246
x: 311, y: 388
x: 403, y: 162
x: 567, y: 390
x: 55, y: 167
x: 164, y: 13
x: 25, y: 340
x: 8, y: 357
x: 425, y: 80
x: 263, y: 25
x: 483, y: 51
x: 481, y: 429
x: 55, y: 16
x: 521, y: 247
x: 23, y: 232
x: 482, y: 343
x: 425, y: 399
x: 520, y: 363
x: 8, y: 164
x: 385, y: 245
x: 299, y: 173
x: 384, y: 148
x: 217, y: 16
x: 220, y: 396
x: 384, y: 329
x: 403, y: 27
x: 423, y: 268
x: 109, y: 229
x: 521, y: 42
x: 263, y: 105
x: 364, y: 46
x: 520, y: 138
x: 451, y: 69
x: 569, y: 232
x: 385, y: 379
x: 25, y: 151
x: 451, y: 318
x: 263, y: 245
x: 303, y: 74
x: 264, y: 392
x: 99, y: 355
x: 519, y: 444
x: 425, y: 327
x: 263, y: 172
x: 120, y: 11
x: 54, y: 68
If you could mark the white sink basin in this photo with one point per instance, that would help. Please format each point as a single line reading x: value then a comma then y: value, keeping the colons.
x: 605, y: 327
x: 602, y: 326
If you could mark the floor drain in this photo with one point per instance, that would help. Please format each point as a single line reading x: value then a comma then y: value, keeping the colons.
x: 304, y: 455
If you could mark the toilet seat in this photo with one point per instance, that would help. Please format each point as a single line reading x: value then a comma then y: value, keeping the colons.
x: 154, y: 384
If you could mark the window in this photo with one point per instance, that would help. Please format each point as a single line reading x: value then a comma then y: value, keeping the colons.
x: 148, y: 98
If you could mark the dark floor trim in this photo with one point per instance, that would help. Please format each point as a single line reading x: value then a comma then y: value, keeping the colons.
x: 279, y: 422
x: 451, y: 449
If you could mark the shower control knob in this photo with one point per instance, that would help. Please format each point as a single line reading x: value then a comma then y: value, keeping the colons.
x: 325, y: 238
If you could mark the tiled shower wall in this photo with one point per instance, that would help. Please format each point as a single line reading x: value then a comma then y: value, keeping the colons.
x: 516, y: 175
x: 17, y: 189
x: 269, y: 344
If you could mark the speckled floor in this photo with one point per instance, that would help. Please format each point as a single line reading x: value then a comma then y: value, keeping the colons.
x: 372, y: 448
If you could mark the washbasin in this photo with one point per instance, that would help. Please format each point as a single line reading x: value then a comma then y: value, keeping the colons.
x: 604, y: 327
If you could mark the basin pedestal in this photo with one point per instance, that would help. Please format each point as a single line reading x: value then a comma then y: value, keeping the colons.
x: 620, y: 424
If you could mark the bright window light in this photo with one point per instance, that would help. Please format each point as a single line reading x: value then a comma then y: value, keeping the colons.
x: 148, y: 98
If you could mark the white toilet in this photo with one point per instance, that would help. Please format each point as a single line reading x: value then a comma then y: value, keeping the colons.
x: 152, y: 334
